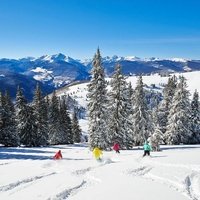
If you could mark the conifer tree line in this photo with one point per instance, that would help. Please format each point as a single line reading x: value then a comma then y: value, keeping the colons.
x: 117, y: 112
x: 42, y: 122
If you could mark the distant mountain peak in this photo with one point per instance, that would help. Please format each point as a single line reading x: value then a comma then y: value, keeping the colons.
x: 179, y: 59
x: 58, y: 56
x: 53, y: 58
x: 116, y: 58
x: 132, y: 58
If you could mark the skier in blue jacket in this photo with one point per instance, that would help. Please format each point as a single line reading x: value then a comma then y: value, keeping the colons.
x: 147, y: 148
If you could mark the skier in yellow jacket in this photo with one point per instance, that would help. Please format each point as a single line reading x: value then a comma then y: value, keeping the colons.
x: 97, y: 153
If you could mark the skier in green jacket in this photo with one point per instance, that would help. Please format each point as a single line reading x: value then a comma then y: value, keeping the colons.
x: 147, y: 148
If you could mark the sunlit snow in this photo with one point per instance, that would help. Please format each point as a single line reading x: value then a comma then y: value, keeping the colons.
x: 31, y: 173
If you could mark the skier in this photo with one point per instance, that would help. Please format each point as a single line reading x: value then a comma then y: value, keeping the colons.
x: 97, y: 153
x: 147, y: 148
x: 116, y: 147
x: 58, y: 155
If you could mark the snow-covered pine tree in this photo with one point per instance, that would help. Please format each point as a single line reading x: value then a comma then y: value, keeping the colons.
x: 120, y: 126
x: 39, y: 113
x: 195, y: 118
x: 156, y: 139
x: 179, y: 123
x: 46, y: 113
x: 129, y: 109
x: 142, y: 122
x: 76, y: 128
x: 26, y: 125
x: 97, y: 106
x: 55, y: 129
x: 66, y: 123
x: 2, y: 117
x: 153, y: 98
x: 130, y: 98
x: 165, y: 104
x: 10, y: 137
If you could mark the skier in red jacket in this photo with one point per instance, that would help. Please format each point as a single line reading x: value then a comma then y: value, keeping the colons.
x: 116, y: 147
x: 58, y: 155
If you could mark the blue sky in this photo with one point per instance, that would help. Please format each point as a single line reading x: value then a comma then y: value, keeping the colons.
x: 144, y: 28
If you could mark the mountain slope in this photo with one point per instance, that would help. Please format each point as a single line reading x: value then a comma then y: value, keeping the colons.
x: 51, y: 71
x: 55, y: 71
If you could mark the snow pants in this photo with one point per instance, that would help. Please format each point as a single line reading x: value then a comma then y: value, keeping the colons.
x: 146, y: 152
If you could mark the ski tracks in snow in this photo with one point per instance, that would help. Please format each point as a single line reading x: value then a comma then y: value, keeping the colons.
x: 4, y: 163
x: 82, y: 171
x: 189, y: 187
x: 23, y: 183
x: 88, y: 169
x: 87, y: 180
x: 68, y: 192
x: 144, y: 172
x: 192, y: 185
x: 141, y: 171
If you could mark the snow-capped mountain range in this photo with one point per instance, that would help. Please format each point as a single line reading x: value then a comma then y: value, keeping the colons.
x: 55, y: 71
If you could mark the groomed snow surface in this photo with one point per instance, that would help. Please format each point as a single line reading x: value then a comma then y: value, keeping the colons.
x: 32, y: 174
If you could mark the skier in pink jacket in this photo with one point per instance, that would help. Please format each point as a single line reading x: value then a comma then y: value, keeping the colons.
x: 116, y: 147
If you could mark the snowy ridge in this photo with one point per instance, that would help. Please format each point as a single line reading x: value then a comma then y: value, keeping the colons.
x: 116, y: 58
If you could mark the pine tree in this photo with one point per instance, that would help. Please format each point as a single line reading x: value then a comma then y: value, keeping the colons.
x: 97, y: 101
x: 165, y: 104
x: 156, y: 139
x: 153, y: 99
x: 142, y: 123
x: 76, y: 128
x: 10, y: 137
x: 129, y: 92
x: 46, y: 113
x: 40, y: 117
x: 66, y: 124
x: 195, y: 118
x: 179, y: 125
x: 130, y: 98
x: 26, y: 125
x: 55, y: 129
x: 120, y: 126
x: 2, y: 117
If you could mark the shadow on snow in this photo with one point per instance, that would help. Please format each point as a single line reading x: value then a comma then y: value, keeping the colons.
x: 23, y: 156
x: 23, y: 153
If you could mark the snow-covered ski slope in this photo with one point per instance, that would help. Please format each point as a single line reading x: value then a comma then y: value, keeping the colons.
x: 79, y: 91
x: 31, y: 174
